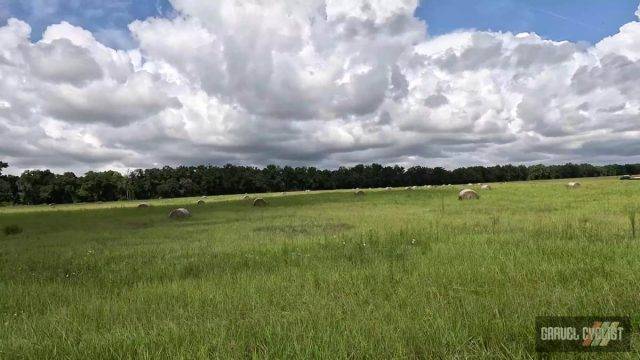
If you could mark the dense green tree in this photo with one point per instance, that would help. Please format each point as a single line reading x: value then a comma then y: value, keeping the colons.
x: 37, y: 186
x: 43, y: 186
x: 102, y: 186
x: 5, y: 186
x: 6, y: 195
x: 8, y: 187
x: 539, y: 172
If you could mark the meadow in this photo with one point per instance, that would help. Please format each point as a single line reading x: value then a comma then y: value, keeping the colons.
x: 392, y: 274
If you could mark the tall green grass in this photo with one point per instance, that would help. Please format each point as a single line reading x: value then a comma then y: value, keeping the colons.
x: 632, y: 221
x: 394, y: 274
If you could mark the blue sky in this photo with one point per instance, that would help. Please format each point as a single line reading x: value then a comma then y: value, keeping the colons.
x: 574, y: 20
x: 108, y: 19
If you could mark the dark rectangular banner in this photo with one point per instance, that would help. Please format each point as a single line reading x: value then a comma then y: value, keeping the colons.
x: 583, y: 333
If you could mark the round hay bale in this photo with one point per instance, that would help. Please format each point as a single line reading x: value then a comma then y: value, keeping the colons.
x: 359, y: 193
x: 180, y: 213
x: 486, y: 187
x: 573, y: 185
x: 200, y: 202
x: 143, y: 205
x: 468, y: 194
x: 259, y: 202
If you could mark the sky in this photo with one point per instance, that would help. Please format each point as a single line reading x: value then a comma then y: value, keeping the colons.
x: 573, y: 20
x: 108, y: 20
x: 124, y: 84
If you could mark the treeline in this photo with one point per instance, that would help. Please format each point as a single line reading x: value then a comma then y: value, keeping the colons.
x: 45, y: 187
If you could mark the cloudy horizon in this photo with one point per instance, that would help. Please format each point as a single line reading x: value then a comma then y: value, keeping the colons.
x: 314, y: 83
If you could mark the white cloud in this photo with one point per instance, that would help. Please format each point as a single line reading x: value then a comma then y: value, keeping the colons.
x: 626, y: 42
x: 61, y: 61
x: 318, y: 82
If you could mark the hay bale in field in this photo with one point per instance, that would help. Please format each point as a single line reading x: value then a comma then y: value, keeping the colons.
x: 468, y: 194
x: 143, y: 205
x: 259, y: 202
x: 573, y: 185
x: 359, y: 193
x: 486, y: 187
x: 200, y: 202
x: 180, y: 213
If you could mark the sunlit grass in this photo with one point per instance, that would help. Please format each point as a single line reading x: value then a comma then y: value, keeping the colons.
x: 391, y: 274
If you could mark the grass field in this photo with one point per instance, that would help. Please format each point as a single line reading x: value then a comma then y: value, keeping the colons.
x: 393, y: 274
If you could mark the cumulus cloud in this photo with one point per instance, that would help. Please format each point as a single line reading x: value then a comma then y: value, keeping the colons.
x: 319, y: 82
x: 61, y: 61
x: 110, y: 102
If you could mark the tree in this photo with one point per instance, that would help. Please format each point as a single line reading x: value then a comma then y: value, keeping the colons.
x: 43, y: 186
x: 65, y: 189
x: 36, y: 186
x: 102, y: 186
x: 6, y: 193
x: 272, y: 178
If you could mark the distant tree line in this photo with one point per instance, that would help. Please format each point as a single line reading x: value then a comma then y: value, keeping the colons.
x: 44, y: 187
